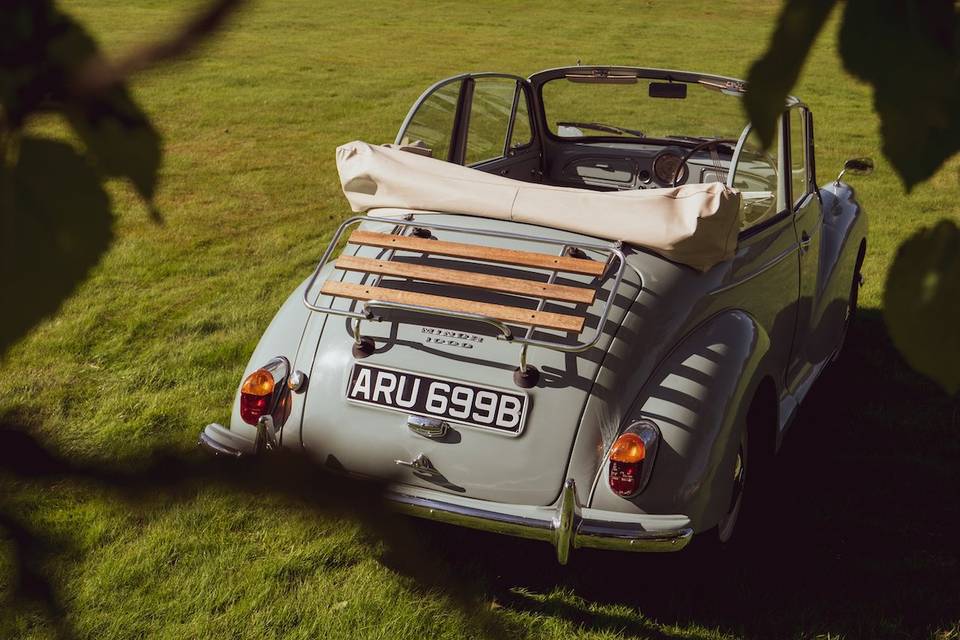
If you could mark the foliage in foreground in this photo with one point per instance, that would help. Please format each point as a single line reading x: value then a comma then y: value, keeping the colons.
x: 184, y: 533
x: 909, y: 52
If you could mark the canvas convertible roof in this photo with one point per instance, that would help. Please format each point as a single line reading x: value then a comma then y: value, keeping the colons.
x: 695, y: 224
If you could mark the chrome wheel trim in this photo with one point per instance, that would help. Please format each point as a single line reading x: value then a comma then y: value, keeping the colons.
x: 728, y: 522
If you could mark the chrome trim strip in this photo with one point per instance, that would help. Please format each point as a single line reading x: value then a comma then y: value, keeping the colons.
x: 565, y: 529
x: 753, y: 274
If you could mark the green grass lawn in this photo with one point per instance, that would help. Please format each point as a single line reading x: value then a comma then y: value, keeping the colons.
x: 151, y: 347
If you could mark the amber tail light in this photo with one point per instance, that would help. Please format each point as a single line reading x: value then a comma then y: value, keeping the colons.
x: 626, y: 464
x: 631, y: 458
x: 260, y: 392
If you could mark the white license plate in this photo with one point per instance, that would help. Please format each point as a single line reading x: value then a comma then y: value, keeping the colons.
x: 451, y: 400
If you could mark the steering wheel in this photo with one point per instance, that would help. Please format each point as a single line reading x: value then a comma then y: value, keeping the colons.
x: 709, y: 144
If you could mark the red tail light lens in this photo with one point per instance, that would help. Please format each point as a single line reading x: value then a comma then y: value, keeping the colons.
x: 626, y: 464
x: 256, y: 395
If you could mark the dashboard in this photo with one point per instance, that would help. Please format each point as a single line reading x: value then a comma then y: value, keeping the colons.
x: 629, y: 166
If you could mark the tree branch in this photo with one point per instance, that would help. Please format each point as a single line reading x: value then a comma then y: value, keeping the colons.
x: 100, y: 74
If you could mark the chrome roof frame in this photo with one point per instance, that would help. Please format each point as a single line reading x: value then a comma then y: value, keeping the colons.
x: 728, y: 83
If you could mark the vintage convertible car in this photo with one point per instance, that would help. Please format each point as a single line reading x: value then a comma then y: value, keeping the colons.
x: 582, y: 307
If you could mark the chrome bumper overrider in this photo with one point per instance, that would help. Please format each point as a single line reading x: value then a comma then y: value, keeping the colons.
x: 566, y: 525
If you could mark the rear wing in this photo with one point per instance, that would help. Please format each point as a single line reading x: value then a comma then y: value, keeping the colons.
x: 514, y: 322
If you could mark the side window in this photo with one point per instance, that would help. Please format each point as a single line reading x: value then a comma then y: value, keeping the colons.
x: 798, y: 155
x: 495, y: 120
x: 489, y: 123
x: 756, y: 178
x: 432, y: 124
x: 522, y: 134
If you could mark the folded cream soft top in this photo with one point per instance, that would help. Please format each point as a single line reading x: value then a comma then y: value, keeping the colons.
x: 696, y: 224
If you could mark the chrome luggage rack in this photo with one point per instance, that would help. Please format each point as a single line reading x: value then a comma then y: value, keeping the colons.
x: 373, y: 298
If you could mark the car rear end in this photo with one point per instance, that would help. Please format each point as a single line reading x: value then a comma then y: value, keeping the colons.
x: 429, y: 380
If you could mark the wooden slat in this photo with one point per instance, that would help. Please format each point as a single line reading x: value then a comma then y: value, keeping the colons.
x: 544, y: 319
x: 476, y: 252
x: 468, y: 278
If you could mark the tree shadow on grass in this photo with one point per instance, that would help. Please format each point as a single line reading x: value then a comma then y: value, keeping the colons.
x: 861, y: 540
x: 30, y: 587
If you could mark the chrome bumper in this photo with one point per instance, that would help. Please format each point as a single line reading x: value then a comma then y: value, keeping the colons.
x: 222, y: 441
x: 565, y: 526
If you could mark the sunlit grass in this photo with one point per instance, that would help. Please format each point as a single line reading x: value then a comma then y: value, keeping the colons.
x: 150, y: 348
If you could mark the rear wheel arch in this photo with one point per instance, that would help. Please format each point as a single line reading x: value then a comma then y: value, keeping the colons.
x: 692, y: 454
x: 853, y: 297
x: 751, y: 476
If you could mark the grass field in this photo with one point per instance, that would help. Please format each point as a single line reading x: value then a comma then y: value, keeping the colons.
x: 151, y: 347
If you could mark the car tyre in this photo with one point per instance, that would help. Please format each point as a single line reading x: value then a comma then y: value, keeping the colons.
x: 728, y: 522
x: 855, y: 284
x: 741, y: 527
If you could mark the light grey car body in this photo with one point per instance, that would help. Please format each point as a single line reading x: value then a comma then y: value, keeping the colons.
x: 689, y: 350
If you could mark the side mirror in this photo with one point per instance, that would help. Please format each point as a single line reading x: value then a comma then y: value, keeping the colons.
x: 856, y: 166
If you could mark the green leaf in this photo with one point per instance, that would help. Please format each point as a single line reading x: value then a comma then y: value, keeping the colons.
x: 25, y: 76
x: 908, y: 52
x: 120, y: 137
x: 922, y: 303
x: 56, y: 224
x: 775, y: 73
x: 41, y: 52
x: 114, y: 129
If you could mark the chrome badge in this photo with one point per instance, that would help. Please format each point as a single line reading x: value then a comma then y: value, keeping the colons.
x: 428, y: 427
x: 450, y: 338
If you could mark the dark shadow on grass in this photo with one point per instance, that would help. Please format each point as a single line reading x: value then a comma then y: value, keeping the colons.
x: 861, y: 542
x: 172, y: 477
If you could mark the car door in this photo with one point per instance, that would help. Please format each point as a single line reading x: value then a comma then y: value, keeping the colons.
x: 478, y: 120
x: 810, y: 347
x: 763, y: 277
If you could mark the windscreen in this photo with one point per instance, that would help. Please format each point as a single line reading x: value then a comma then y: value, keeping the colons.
x: 584, y: 109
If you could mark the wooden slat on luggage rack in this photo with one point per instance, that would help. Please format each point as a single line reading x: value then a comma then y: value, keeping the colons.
x: 467, y: 278
x: 545, y: 319
x: 476, y: 252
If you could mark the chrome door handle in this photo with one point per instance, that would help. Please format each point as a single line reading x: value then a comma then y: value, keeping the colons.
x: 805, y: 242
